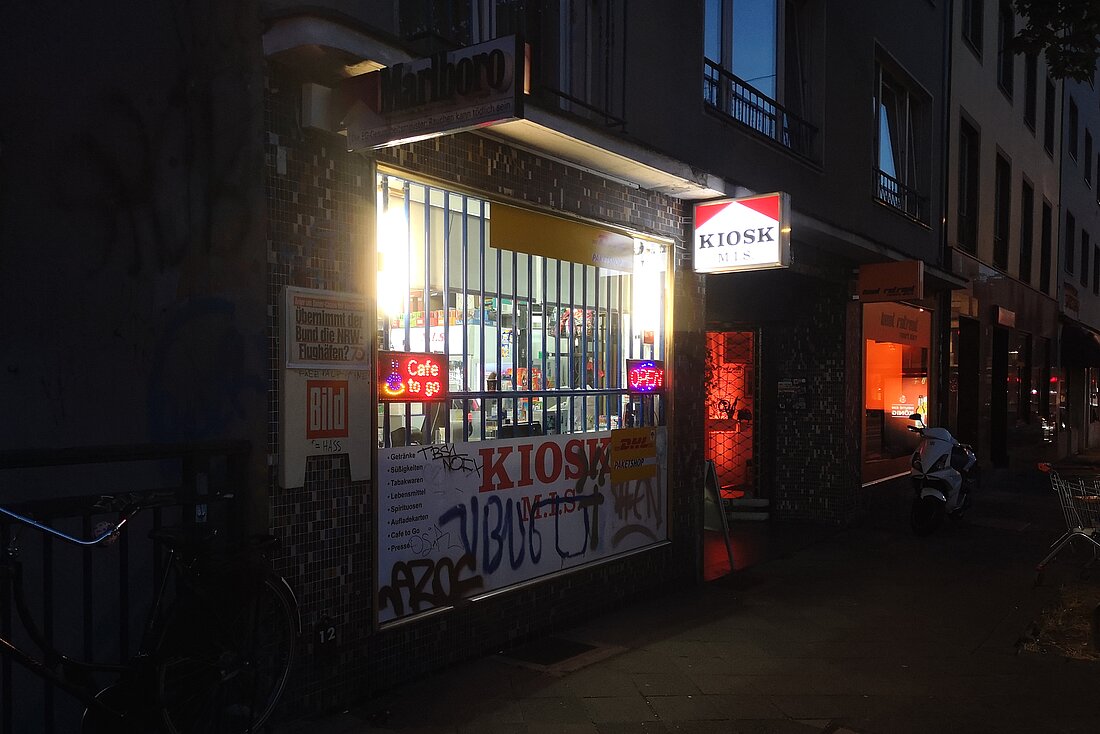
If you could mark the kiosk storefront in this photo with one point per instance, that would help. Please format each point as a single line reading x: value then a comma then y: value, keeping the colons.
x: 512, y: 440
x: 897, y: 364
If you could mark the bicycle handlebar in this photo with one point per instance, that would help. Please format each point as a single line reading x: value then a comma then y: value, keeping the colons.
x: 128, y: 505
x: 65, y: 536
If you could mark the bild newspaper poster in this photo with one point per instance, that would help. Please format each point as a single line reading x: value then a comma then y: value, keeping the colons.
x: 459, y: 520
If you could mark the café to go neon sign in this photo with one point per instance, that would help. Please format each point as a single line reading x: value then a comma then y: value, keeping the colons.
x: 645, y: 376
x: 411, y: 377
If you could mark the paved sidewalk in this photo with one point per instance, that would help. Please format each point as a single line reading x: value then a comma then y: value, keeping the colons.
x: 865, y: 630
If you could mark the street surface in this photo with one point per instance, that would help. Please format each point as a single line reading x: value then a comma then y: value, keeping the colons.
x: 866, y: 629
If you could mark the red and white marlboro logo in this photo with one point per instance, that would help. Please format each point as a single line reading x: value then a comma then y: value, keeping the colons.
x: 742, y: 234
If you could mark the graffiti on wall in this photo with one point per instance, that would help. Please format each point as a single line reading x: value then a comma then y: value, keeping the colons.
x: 458, y: 520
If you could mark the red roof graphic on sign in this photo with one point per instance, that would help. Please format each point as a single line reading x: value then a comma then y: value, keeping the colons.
x: 703, y: 212
x: 766, y: 205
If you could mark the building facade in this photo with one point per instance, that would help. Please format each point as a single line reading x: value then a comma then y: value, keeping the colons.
x: 527, y: 263
x: 439, y: 266
x: 837, y: 372
x: 1003, y: 225
x: 1078, y: 268
x: 475, y: 245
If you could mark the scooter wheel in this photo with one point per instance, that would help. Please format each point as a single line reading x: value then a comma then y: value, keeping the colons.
x: 926, y: 515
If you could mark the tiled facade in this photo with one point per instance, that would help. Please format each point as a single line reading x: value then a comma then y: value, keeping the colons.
x: 813, y: 471
x: 318, y: 204
x: 317, y: 196
x: 807, y: 457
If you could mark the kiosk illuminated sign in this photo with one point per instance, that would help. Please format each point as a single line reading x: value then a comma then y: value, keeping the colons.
x: 411, y: 377
x: 645, y: 376
x: 750, y: 233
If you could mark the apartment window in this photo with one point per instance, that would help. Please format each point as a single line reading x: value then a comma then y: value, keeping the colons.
x: 1084, y: 257
x: 1031, y: 84
x: 1087, y: 161
x: 900, y: 175
x: 800, y: 26
x: 591, y: 57
x: 1046, y: 241
x: 1027, y: 227
x: 757, y: 66
x: 969, y: 171
x: 1096, y: 271
x: 577, y: 61
x: 1048, y: 117
x: 1072, y: 131
x: 1070, y: 241
x: 741, y: 37
x: 1002, y: 191
x: 1006, y: 60
x: 432, y: 26
x: 972, y: 24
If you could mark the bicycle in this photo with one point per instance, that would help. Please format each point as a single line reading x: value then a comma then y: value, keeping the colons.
x: 217, y: 646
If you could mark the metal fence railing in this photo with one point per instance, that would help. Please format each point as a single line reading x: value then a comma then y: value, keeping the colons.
x: 90, y: 602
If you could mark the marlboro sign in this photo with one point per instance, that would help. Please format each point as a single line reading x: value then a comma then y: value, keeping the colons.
x: 752, y: 233
x: 446, y: 93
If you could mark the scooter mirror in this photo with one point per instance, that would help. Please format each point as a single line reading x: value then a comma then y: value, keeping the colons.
x: 915, y: 417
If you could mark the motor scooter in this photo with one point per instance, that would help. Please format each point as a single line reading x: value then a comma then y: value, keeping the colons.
x: 944, y: 473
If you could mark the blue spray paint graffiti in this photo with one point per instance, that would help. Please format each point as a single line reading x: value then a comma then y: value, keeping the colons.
x: 508, y: 518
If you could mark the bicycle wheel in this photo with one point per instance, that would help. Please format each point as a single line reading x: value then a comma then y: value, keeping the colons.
x: 223, y: 670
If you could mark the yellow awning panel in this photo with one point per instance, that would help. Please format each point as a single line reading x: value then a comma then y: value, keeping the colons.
x: 512, y: 228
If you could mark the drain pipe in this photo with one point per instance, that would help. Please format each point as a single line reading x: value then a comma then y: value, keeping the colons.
x: 944, y: 326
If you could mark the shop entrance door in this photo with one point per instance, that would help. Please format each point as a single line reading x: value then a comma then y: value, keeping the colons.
x: 998, y: 398
x: 731, y: 411
x: 968, y: 387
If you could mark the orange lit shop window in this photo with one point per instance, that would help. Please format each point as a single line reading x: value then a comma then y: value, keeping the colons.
x: 730, y: 410
x: 896, y: 384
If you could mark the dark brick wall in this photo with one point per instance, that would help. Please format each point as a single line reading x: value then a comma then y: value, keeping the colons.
x: 319, y: 212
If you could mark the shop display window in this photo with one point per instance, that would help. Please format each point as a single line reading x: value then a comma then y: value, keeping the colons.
x: 533, y: 344
x: 897, y: 345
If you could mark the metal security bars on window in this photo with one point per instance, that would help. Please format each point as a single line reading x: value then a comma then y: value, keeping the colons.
x: 533, y: 344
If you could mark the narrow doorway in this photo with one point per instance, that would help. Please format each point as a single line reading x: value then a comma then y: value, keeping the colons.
x: 998, y: 398
x: 729, y: 441
x: 730, y: 425
x: 967, y: 374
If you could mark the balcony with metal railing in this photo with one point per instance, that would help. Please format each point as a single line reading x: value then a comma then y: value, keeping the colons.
x: 741, y: 102
x: 577, y: 66
x: 893, y: 193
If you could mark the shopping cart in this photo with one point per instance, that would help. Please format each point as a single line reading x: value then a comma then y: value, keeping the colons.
x: 1080, y: 500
